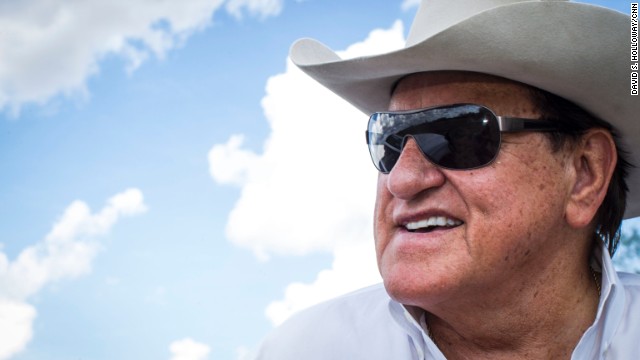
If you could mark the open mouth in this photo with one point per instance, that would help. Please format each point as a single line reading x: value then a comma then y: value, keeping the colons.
x: 431, y: 224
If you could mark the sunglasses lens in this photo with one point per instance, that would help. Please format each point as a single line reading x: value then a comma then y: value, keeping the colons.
x: 457, y: 137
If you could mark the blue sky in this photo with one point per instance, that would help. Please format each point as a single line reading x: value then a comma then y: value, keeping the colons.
x: 161, y: 197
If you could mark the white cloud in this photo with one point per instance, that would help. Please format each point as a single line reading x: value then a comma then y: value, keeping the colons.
x: 188, y: 349
x: 51, y: 47
x: 230, y: 164
x: 243, y: 353
x: 353, y: 266
x: 15, y: 326
x: 65, y: 253
x: 313, y: 187
x: 408, y: 4
x: 260, y: 8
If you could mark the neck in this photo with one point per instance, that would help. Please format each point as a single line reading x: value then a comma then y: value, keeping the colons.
x: 544, y: 317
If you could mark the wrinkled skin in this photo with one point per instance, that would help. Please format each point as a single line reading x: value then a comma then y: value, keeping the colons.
x: 525, y: 234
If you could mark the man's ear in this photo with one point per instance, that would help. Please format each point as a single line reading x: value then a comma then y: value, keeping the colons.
x: 594, y: 160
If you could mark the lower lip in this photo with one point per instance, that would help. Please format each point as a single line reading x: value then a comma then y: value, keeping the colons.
x: 404, y: 238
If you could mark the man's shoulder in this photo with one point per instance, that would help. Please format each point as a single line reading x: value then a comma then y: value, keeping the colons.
x: 356, y: 323
x: 631, y: 284
x: 623, y: 315
x: 630, y: 281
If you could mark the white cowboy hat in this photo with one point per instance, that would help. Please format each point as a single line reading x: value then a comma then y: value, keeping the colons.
x: 578, y: 51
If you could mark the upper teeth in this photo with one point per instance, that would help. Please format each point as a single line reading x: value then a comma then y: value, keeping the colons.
x: 432, y: 221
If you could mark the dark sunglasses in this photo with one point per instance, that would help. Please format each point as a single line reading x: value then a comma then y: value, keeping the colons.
x: 456, y: 137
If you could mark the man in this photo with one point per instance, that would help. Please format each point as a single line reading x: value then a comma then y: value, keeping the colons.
x: 499, y: 133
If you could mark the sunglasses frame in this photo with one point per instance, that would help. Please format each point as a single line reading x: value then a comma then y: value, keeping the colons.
x: 505, y: 124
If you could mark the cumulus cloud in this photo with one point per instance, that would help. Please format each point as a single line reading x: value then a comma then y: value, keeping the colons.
x: 313, y: 187
x: 16, y: 331
x: 188, y: 349
x: 66, y: 252
x: 51, y: 47
x: 354, y: 265
x: 230, y: 163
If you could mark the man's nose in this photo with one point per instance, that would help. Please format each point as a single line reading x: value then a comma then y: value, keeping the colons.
x: 413, y: 173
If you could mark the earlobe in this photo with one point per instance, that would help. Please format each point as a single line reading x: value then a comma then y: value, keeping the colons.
x: 594, y: 160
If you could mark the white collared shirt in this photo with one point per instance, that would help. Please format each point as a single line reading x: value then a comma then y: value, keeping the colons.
x: 368, y: 324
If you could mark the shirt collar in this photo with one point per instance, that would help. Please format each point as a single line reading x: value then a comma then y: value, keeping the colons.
x: 598, y: 337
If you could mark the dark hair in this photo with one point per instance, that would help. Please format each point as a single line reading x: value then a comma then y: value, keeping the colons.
x: 573, y: 122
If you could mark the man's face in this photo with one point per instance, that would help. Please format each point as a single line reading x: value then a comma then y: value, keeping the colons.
x: 510, y: 213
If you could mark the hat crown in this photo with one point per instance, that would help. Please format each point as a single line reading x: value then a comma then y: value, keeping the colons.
x: 434, y: 16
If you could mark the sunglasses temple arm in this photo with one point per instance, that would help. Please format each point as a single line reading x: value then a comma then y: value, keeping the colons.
x: 511, y: 124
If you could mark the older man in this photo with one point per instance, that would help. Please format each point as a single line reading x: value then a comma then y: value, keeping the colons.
x: 499, y: 134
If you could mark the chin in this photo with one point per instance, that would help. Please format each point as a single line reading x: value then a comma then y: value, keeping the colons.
x: 408, y: 289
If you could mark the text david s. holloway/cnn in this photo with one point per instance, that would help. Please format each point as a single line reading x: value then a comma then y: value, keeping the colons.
x: 634, y: 48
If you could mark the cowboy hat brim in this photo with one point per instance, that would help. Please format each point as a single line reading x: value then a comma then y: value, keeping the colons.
x: 577, y: 51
